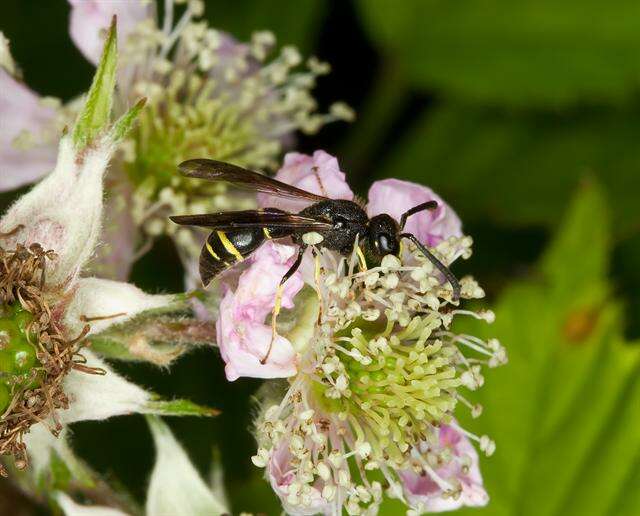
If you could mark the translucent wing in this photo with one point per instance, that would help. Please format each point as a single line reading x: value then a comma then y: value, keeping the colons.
x: 249, y: 219
x: 212, y: 170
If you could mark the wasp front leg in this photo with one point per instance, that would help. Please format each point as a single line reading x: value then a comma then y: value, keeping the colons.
x: 317, y: 276
x: 278, y: 300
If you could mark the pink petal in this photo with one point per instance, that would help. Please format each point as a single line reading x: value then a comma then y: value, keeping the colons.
x: 21, y: 111
x: 394, y: 197
x: 91, y: 18
x: 115, y: 253
x: 423, y: 490
x: 280, y: 475
x: 319, y: 174
x: 243, y: 336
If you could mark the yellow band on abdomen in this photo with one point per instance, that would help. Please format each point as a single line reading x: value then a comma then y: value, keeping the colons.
x: 211, y: 251
x: 231, y: 249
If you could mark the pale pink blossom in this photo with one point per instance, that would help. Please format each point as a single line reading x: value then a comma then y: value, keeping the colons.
x: 281, y: 474
x: 90, y: 19
x: 29, y: 131
x: 319, y: 174
x: 23, y: 114
x: 394, y: 197
x: 428, y: 491
x: 243, y: 336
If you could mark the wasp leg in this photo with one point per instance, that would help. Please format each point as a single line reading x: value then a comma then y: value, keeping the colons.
x: 453, y: 281
x: 317, y: 271
x: 361, y: 259
x: 278, y: 300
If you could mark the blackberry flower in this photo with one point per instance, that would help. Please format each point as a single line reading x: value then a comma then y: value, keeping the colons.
x: 374, y: 371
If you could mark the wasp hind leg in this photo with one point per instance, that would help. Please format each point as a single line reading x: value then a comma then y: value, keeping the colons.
x: 278, y: 301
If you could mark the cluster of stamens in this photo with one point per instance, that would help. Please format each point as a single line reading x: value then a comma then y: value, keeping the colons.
x: 377, y: 381
x: 209, y: 95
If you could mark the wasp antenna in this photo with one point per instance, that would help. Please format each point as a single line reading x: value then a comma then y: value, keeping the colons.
x: 455, y: 285
x: 429, y: 205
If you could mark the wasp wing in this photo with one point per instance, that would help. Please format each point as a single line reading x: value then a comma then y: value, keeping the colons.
x: 213, y: 170
x: 250, y: 219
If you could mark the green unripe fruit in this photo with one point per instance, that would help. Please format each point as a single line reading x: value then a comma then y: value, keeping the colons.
x: 24, y: 356
x: 18, y: 357
x: 5, y: 397
x: 6, y: 362
x: 22, y: 319
x: 9, y: 332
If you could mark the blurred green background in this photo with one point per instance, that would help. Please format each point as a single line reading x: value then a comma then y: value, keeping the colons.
x: 525, y: 117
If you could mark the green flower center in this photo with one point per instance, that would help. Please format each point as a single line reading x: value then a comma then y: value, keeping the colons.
x: 394, y: 385
x: 18, y: 360
x: 191, y: 120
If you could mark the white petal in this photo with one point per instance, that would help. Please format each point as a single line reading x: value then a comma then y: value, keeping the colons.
x: 63, y: 212
x: 96, y: 298
x: 91, y: 18
x: 97, y: 397
x: 6, y: 60
x: 175, y: 487
x: 71, y: 508
x: 40, y: 443
x: 22, y: 112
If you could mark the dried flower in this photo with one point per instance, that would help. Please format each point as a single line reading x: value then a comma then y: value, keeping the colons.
x: 47, y: 309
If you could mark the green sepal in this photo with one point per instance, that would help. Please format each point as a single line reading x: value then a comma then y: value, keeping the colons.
x: 124, y: 124
x: 179, y: 407
x: 95, y: 115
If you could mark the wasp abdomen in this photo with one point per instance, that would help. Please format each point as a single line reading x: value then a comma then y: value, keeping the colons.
x: 223, y: 249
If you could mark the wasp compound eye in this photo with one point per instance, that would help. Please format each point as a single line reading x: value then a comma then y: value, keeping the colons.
x: 387, y: 244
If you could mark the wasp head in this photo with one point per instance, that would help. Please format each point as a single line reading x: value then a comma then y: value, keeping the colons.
x: 382, y: 238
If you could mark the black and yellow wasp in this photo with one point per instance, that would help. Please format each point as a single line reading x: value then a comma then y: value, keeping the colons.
x: 330, y: 223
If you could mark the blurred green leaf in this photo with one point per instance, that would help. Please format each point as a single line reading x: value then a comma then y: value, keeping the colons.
x: 520, y: 169
x: 253, y: 495
x: 565, y: 411
x: 96, y: 113
x: 538, y: 52
x: 294, y: 22
x: 179, y: 408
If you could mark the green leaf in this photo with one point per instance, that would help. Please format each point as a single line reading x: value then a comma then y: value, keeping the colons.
x: 96, y: 112
x: 565, y: 411
x: 534, y: 52
x: 521, y: 168
x: 179, y: 408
